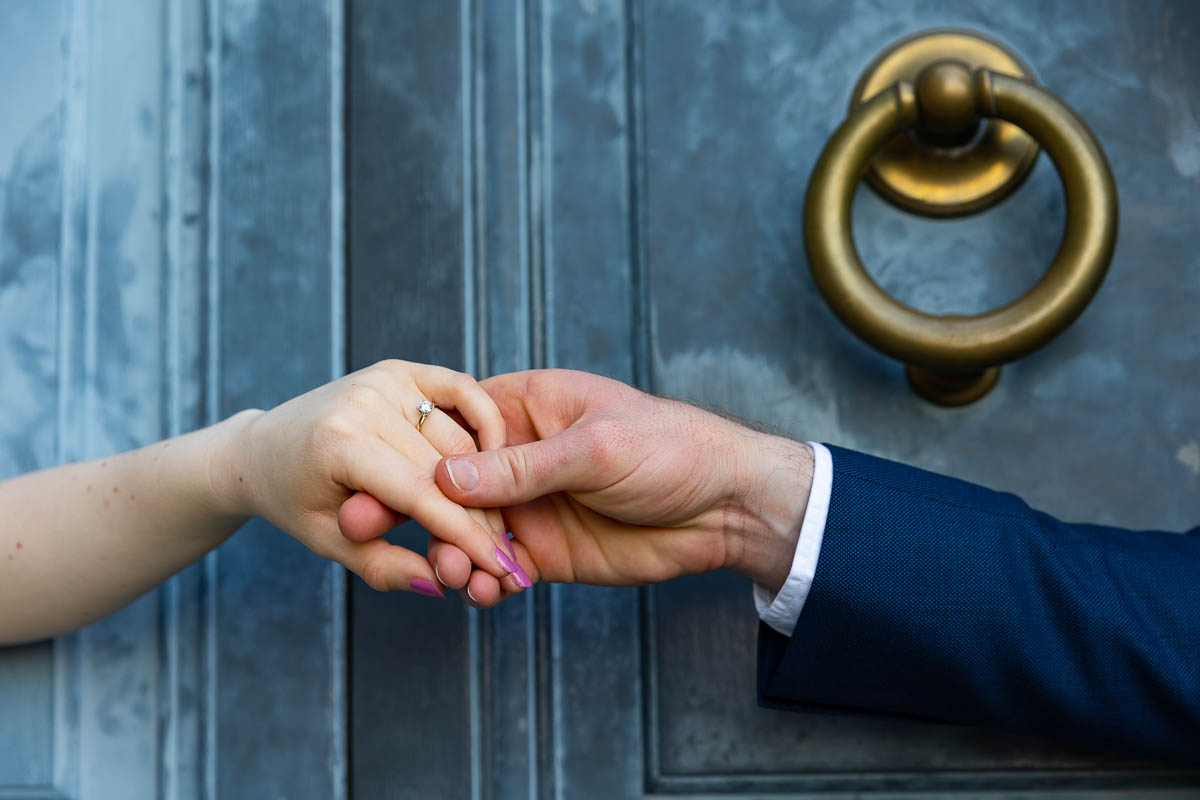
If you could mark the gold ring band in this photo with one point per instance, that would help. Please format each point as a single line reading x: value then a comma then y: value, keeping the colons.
x: 424, y: 409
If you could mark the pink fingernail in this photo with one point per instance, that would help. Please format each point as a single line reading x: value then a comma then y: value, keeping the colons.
x: 422, y: 586
x: 462, y: 474
x: 510, y: 564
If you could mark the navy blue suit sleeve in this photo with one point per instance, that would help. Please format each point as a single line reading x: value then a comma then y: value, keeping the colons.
x: 938, y: 599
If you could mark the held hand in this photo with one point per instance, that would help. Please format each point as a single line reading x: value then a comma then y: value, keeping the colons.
x: 605, y: 484
x: 298, y: 463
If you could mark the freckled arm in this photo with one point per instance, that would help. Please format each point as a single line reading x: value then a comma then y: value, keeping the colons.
x: 78, y: 542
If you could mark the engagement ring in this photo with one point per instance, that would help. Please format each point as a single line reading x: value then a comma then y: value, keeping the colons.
x: 425, y: 408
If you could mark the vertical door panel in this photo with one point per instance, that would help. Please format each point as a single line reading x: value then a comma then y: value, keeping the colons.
x: 169, y: 253
x: 735, y: 129
x: 82, y: 284
x: 618, y: 187
x: 414, y: 724
x: 278, y: 626
x: 593, y: 312
x: 31, y: 65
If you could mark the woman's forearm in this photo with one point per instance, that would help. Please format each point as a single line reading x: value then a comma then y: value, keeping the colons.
x: 78, y: 542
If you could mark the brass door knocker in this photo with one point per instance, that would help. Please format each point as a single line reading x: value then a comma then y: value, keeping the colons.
x: 977, y: 120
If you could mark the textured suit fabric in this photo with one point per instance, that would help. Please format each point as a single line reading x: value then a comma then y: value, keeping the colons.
x: 938, y: 599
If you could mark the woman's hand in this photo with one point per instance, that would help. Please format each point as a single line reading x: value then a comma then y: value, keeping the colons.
x: 78, y: 542
x: 298, y: 463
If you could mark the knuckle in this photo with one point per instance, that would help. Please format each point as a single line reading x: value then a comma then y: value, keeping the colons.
x: 390, y: 366
x: 601, y: 431
x: 603, y: 439
x: 542, y: 381
x: 520, y: 467
x: 375, y: 574
x: 461, y: 382
x: 460, y: 443
x: 335, y: 428
x: 361, y: 397
x: 388, y: 370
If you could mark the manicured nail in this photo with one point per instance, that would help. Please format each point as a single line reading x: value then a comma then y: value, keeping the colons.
x: 513, y: 567
x: 422, y: 586
x: 462, y: 474
x: 508, y: 537
x: 439, y: 575
x: 473, y: 600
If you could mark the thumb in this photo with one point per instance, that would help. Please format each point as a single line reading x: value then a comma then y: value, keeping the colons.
x: 514, y: 475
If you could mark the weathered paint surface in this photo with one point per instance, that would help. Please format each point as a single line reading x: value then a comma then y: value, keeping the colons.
x: 1088, y: 428
x: 609, y: 185
x: 630, y: 185
x: 30, y: 218
x: 170, y: 204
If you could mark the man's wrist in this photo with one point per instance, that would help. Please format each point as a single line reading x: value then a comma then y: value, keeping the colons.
x: 770, y: 494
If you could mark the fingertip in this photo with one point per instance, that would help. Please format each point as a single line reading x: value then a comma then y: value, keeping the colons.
x: 362, y: 518
x: 450, y: 564
x: 483, y: 590
x: 387, y: 567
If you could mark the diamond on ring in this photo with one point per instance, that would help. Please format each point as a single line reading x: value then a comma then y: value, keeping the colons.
x: 425, y: 409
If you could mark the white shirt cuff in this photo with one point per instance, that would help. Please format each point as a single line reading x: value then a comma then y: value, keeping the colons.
x: 782, y: 611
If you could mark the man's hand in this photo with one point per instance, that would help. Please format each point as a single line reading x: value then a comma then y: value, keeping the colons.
x: 605, y: 484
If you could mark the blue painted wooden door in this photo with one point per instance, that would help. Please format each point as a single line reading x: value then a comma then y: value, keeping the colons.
x: 171, y: 252
x: 618, y: 187
x: 213, y: 204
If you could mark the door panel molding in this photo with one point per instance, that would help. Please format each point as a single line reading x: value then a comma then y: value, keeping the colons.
x: 174, y: 236
x: 278, y: 662
x: 745, y: 332
x: 415, y: 672
x: 577, y: 250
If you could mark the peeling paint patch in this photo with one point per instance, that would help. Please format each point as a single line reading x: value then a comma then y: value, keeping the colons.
x: 1189, y: 456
